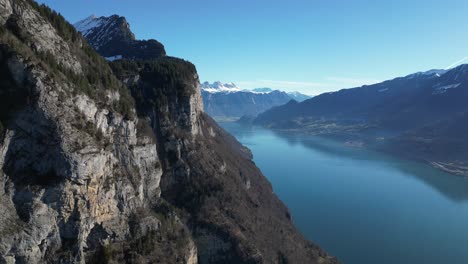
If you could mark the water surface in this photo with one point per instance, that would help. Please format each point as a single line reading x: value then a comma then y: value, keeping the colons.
x: 363, y: 206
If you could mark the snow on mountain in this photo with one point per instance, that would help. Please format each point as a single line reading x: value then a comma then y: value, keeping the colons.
x: 114, y: 58
x: 433, y: 73
x: 112, y: 38
x: 298, y: 96
x: 442, y: 89
x: 86, y: 25
x: 261, y: 90
x: 218, y: 87
x: 99, y: 31
x: 227, y: 100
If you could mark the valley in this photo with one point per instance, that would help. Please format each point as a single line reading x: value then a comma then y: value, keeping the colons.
x: 363, y: 205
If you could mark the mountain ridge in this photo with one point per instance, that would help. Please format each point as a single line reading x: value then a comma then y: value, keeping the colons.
x: 398, y: 112
x: 112, y: 38
x: 228, y: 101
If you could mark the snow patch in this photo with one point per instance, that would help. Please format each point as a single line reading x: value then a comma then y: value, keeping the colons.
x: 443, y: 89
x: 218, y: 87
x: 86, y: 25
x: 114, y: 58
x: 383, y: 90
x: 432, y: 73
x: 260, y: 90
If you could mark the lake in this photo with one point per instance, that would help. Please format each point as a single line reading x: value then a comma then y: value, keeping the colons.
x: 362, y: 206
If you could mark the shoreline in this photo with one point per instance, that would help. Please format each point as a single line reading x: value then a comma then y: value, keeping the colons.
x: 356, y: 140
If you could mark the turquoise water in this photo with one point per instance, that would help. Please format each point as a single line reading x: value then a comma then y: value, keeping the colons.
x: 363, y: 206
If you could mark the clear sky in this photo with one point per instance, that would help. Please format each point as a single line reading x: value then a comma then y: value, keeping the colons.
x: 305, y: 45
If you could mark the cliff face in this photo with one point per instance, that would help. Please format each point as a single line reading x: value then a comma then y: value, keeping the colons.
x: 225, y: 200
x: 89, y: 176
x: 112, y: 38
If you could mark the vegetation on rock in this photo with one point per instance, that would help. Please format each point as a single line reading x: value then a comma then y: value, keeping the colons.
x: 163, y: 76
x: 97, y: 77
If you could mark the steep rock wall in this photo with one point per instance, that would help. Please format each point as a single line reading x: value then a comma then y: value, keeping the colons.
x: 79, y: 181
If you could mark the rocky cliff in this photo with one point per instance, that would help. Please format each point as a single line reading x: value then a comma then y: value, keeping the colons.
x: 112, y: 38
x: 95, y: 171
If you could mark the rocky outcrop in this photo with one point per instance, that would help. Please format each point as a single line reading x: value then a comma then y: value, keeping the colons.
x: 70, y: 167
x: 112, y: 38
x: 32, y: 26
x: 5, y: 11
x: 89, y: 176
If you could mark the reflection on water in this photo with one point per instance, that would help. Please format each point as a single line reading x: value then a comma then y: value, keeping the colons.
x: 456, y: 188
x: 360, y: 205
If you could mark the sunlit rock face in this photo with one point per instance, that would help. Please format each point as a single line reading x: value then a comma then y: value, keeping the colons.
x: 112, y: 38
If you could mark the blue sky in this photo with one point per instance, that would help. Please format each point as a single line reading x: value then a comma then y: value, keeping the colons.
x: 305, y: 45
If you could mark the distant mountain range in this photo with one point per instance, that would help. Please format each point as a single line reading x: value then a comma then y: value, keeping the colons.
x: 227, y: 100
x: 423, y: 116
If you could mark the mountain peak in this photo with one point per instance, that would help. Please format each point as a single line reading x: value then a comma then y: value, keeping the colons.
x: 112, y: 38
x: 218, y: 86
x: 94, y: 24
x: 262, y: 90
x: 86, y: 25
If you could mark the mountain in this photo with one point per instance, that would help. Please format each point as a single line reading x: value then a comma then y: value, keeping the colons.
x: 219, y: 87
x: 262, y: 90
x: 118, y: 163
x: 226, y: 100
x: 420, y: 116
x: 112, y: 38
x: 378, y: 104
x: 297, y: 96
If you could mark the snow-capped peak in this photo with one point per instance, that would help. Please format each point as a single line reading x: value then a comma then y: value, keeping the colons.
x: 86, y: 25
x: 218, y: 87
